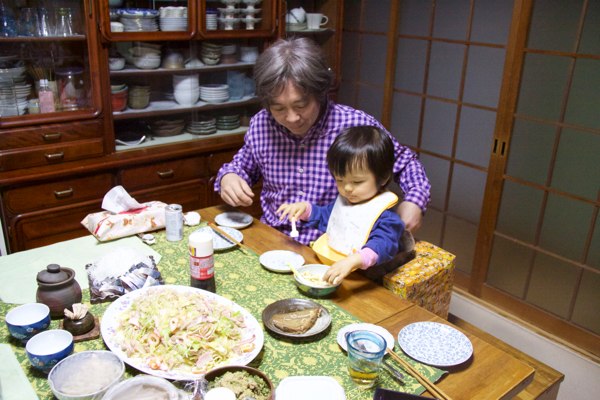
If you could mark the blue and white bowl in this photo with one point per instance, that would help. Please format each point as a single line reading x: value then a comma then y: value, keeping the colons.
x: 46, y: 349
x: 137, y: 13
x: 27, y: 320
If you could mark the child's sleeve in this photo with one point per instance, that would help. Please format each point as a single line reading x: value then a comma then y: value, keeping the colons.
x: 384, y: 237
x: 319, y: 216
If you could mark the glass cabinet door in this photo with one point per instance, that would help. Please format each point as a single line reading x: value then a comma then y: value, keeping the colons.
x: 45, y: 64
x: 172, y: 91
x: 321, y: 21
x: 140, y: 19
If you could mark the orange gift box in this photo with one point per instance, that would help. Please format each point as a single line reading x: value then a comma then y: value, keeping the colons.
x: 426, y: 280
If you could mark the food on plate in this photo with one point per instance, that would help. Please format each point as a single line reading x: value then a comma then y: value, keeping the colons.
x: 243, y: 385
x: 169, y: 329
x: 297, y: 321
x: 315, y: 280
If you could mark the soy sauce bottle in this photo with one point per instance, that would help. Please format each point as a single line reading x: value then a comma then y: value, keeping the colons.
x: 202, y: 261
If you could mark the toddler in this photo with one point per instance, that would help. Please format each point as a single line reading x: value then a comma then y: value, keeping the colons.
x: 359, y: 223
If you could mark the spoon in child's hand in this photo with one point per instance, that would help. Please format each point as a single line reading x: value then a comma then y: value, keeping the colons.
x: 294, y: 232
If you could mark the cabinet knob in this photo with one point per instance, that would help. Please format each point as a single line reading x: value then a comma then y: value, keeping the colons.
x: 63, y: 194
x: 51, y: 136
x: 166, y: 175
x: 54, y: 157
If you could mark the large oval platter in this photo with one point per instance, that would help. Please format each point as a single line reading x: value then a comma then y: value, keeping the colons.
x: 109, y: 325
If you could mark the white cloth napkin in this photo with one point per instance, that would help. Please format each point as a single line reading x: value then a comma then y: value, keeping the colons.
x: 18, y: 271
x: 14, y: 384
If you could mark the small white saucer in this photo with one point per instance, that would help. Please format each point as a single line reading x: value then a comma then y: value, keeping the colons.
x: 237, y: 220
x: 276, y: 260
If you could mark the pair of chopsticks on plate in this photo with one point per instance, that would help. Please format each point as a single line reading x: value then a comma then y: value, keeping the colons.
x: 431, y: 388
x: 221, y: 232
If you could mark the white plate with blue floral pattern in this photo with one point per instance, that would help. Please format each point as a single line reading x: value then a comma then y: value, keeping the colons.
x: 220, y: 242
x: 435, y: 344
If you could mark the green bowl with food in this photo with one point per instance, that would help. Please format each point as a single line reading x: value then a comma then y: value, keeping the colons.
x: 309, y: 280
x: 243, y: 381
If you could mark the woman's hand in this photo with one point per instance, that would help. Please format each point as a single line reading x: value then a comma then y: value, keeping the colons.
x: 235, y: 191
x: 411, y: 215
x: 341, y: 269
x: 295, y: 210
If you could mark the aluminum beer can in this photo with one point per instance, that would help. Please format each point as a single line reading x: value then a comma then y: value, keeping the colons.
x: 174, y: 222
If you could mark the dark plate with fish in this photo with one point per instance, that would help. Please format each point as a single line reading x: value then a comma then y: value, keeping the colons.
x: 294, y: 317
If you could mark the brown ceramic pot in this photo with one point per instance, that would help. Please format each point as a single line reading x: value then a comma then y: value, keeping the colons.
x: 58, y: 289
x: 81, y: 326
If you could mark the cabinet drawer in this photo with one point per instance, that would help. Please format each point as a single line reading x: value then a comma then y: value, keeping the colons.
x: 190, y: 195
x: 54, y: 194
x: 46, y: 155
x: 216, y: 161
x: 50, y: 134
x: 163, y: 173
x: 29, y: 231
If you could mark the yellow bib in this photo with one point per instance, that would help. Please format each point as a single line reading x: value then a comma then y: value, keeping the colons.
x: 350, y: 224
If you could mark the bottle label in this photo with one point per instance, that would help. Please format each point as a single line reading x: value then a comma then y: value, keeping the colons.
x: 46, y: 101
x: 202, y: 267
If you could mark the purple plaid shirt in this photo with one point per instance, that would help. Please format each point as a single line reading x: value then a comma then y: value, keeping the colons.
x: 294, y: 169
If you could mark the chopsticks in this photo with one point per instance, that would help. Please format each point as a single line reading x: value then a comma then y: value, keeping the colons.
x: 431, y: 388
x: 216, y: 229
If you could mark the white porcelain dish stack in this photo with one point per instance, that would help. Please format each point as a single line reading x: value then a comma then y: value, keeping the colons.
x: 214, y: 93
x: 173, y: 19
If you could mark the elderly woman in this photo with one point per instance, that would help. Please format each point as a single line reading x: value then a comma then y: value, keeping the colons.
x: 287, y: 142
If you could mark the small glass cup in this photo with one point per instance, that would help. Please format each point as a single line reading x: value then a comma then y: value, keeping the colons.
x: 65, y: 26
x: 365, y: 352
x: 29, y: 22
x: 235, y: 81
x: 46, y: 23
x: 8, y: 22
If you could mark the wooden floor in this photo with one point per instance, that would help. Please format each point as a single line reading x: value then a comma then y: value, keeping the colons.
x: 546, y: 381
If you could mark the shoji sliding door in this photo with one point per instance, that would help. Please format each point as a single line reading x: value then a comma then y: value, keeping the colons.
x: 501, y: 100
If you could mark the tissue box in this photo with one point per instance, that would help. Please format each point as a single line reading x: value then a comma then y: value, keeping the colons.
x: 108, y: 226
x: 426, y: 280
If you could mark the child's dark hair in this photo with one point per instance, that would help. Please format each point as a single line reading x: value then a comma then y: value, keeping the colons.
x: 366, y: 147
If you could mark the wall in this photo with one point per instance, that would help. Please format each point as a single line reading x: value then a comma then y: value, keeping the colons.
x: 581, y: 374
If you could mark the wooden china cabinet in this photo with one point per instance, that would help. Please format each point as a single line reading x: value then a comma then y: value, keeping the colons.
x: 56, y: 167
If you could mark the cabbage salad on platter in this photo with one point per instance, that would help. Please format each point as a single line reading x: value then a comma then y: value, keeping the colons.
x: 169, y: 330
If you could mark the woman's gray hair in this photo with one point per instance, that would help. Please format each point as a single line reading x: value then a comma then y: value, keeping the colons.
x: 297, y: 60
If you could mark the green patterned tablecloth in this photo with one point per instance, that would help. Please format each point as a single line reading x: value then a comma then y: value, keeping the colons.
x: 241, y: 278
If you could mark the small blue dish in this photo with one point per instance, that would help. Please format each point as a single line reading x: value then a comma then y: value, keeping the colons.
x: 46, y: 349
x: 27, y: 320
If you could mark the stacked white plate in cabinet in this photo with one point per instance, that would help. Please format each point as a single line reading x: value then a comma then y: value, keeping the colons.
x: 169, y: 24
x: 211, y: 19
x: 214, y: 93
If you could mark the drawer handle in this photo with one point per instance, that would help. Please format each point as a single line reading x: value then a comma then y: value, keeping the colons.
x: 63, y: 194
x: 165, y: 175
x: 53, y: 157
x: 51, y: 136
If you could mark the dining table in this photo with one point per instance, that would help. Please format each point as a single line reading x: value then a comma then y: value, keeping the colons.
x: 490, y: 373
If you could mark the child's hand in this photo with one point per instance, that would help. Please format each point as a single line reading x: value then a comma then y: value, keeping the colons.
x: 295, y: 210
x: 341, y: 269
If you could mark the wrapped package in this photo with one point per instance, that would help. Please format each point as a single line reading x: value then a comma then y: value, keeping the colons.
x: 107, y: 225
x: 119, y: 271
x: 426, y: 280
